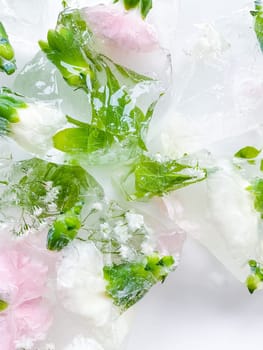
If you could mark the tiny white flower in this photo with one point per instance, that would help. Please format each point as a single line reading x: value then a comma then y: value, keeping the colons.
x: 97, y: 206
x: 105, y: 229
x: 125, y: 252
x: 121, y: 232
x: 135, y: 221
x: 38, y: 211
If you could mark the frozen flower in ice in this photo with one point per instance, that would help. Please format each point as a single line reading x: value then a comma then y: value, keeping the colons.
x: 26, y: 318
x: 234, y: 239
x: 81, y: 283
x: 37, y: 124
x: 126, y: 30
x: 82, y: 343
x: 31, y: 125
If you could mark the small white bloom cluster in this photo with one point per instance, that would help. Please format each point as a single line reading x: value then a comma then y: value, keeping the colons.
x: 135, y: 221
x: 51, y: 196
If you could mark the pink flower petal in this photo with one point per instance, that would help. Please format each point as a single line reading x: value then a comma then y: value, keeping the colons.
x: 32, y: 319
x: 22, y: 285
x: 126, y: 30
x: 6, y: 339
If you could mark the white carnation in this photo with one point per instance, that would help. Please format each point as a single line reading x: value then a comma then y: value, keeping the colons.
x: 38, y: 123
x: 220, y: 214
x: 81, y: 284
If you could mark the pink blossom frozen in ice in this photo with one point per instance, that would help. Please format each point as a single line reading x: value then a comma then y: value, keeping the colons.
x: 22, y: 285
x: 123, y: 29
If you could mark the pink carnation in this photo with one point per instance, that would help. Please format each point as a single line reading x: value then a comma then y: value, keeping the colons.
x: 22, y: 284
x: 122, y: 29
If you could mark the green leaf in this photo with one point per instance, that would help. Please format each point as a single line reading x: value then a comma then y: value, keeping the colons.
x: 156, y: 178
x: 146, y: 6
x: 130, y: 4
x: 7, y: 56
x: 248, y: 152
x: 82, y: 140
x: 65, y: 228
x: 3, y: 305
x: 258, y: 24
x: 130, y: 281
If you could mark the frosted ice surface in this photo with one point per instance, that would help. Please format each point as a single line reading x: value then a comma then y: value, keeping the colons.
x: 217, y: 88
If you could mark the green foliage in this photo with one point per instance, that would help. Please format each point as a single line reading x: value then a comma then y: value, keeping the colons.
x: 7, y: 55
x: 144, y: 5
x: 10, y: 103
x: 71, y: 48
x: 43, y: 183
x: 65, y: 228
x: 86, y: 140
x: 156, y: 178
x: 130, y: 281
x: 258, y: 26
x: 255, y: 279
x: 247, y: 152
x: 3, y: 305
x: 256, y: 189
x: 50, y: 193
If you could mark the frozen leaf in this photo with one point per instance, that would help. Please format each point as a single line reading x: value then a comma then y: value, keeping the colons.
x: 129, y: 282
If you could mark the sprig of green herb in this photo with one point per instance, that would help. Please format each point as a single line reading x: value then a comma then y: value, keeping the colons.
x: 130, y: 281
x: 52, y: 193
x: 153, y: 177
